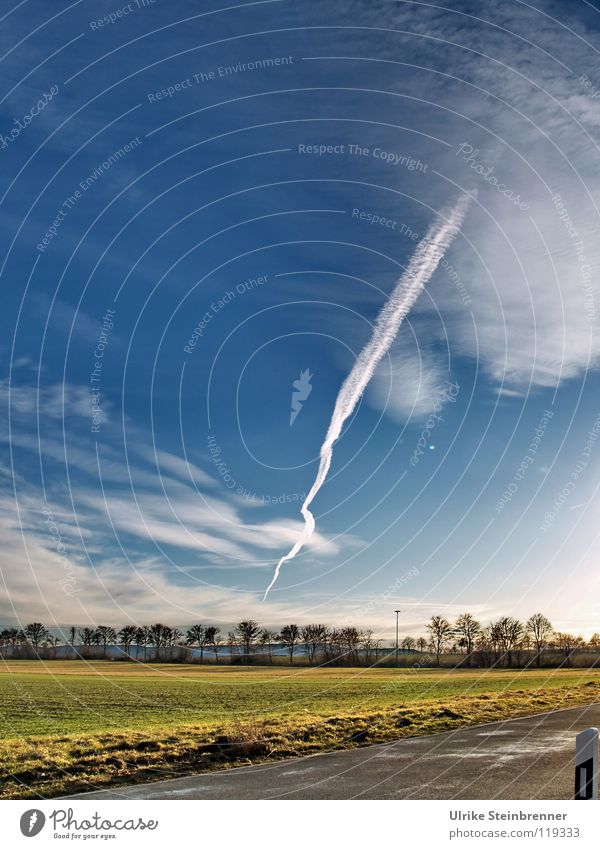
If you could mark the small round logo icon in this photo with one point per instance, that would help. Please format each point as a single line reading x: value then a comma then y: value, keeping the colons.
x: 32, y: 822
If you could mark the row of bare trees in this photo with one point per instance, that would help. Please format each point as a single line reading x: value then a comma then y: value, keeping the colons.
x: 317, y: 642
x: 507, y: 641
x: 246, y: 641
x: 159, y: 638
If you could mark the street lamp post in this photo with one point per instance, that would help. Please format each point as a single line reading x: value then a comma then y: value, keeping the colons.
x: 397, y: 612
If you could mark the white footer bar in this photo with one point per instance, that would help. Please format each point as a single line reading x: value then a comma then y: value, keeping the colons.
x: 298, y: 824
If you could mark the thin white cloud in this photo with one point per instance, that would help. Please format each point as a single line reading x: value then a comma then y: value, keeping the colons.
x: 182, y: 469
x: 189, y: 521
x: 175, y: 512
x: 55, y: 401
x: 409, y: 384
x: 510, y: 88
x: 42, y: 581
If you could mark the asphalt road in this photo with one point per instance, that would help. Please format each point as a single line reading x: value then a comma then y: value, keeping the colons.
x: 531, y: 758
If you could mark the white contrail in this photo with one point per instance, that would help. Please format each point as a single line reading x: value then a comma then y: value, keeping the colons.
x: 417, y: 274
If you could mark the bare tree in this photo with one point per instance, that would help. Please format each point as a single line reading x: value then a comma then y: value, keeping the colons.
x: 350, y: 638
x: 441, y: 631
x: 467, y: 628
x: 35, y: 633
x: 421, y: 644
x: 335, y: 644
x: 86, y: 638
x: 232, y: 642
x: 12, y: 637
x: 314, y: 636
x: 567, y: 643
x: 213, y: 639
x: 104, y: 635
x: 345, y: 642
x: 507, y: 632
x: 539, y: 629
x: 142, y: 638
x: 290, y: 636
x: 408, y: 644
x: 266, y: 639
x: 486, y: 647
x: 51, y: 642
x: 377, y: 645
x: 159, y: 636
x: 367, y: 643
x: 126, y: 637
x: 196, y: 636
x: 174, y: 639
x: 247, y: 632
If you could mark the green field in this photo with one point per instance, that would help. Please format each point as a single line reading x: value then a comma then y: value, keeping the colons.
x: 66, y: 724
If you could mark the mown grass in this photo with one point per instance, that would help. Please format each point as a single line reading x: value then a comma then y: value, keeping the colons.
x: 67, y: 725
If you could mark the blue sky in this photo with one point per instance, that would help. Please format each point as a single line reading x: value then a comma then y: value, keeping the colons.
x: 217, y: 171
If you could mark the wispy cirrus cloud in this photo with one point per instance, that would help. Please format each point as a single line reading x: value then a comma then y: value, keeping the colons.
x: 187, y: 520
x: 410, y: 383
x: 47, y: 574
x: 122, y: 521
x: 506, y: 82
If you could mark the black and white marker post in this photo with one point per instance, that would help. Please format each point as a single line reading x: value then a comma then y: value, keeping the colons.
x: 586, y: 764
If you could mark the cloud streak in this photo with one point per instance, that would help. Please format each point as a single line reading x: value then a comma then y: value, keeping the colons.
x: 415, y: 277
